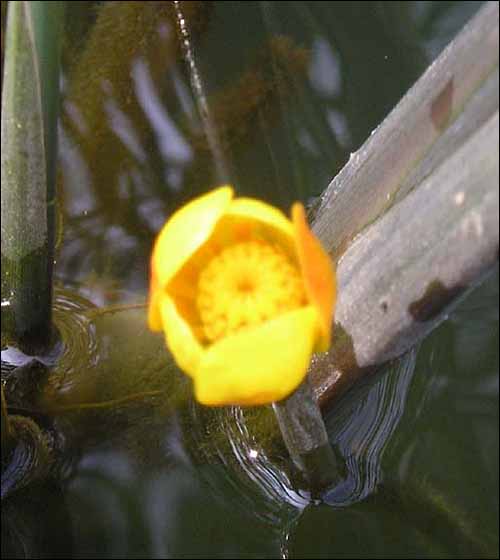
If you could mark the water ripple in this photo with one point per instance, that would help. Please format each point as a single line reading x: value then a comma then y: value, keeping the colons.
x: 80, y: 344
x: 261, y: 474
x: 361, y: 426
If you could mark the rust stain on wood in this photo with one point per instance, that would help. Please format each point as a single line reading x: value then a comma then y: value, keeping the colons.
x: 435, y: 299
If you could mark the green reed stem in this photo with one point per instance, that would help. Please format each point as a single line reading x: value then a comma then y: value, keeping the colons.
x: 30, y: 100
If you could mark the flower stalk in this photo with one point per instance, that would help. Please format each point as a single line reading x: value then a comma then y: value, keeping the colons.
x: 304, y: 433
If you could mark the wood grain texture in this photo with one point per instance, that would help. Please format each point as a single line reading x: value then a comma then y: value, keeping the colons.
x: 413, y: 217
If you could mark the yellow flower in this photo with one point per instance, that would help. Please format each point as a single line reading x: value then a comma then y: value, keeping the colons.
x: 244, y: 296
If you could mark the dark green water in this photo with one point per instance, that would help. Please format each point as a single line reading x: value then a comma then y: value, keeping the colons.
x: 295, y: 87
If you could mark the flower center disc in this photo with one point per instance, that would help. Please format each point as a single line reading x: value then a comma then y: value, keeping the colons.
x: 244, y: 285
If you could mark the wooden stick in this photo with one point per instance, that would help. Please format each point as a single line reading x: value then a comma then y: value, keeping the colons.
x: 413, y: 216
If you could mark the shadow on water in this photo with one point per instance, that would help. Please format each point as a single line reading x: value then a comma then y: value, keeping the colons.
x: 148, y: 472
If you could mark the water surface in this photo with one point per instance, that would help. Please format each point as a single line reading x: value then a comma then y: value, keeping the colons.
x: 292, y: 88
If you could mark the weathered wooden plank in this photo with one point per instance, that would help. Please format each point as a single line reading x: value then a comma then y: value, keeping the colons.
x: 414, y: 215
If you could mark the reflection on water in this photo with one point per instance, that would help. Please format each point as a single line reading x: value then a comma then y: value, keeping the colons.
x: 280, y: 111
x: 127, y: 505
x: 255, y: 470
x: 362, y: 424
x: 360, y: 427
x: 293, y: 88
x: 420, y: 440
x: 288, y: 91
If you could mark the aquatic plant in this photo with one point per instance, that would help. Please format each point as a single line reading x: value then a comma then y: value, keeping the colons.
x: 233, y: 281
x: 30, y: 98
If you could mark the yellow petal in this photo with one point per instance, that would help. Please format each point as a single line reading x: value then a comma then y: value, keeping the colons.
x: 261, y: 365
x: 261, y: 212
x: 155, y: 322
x: 180, y: 338
x: 186, y: 231
x: 318, y: 273
x: 154, y: 316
